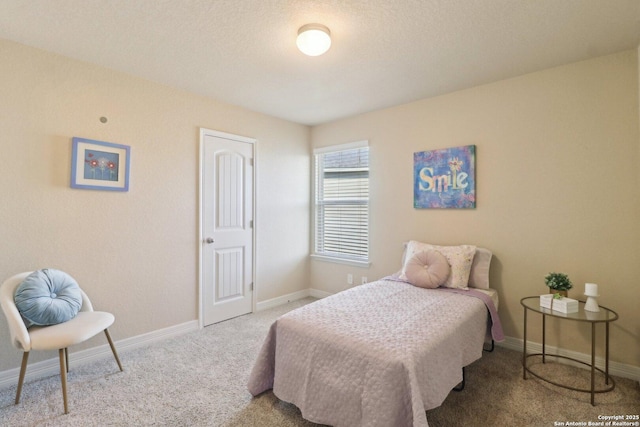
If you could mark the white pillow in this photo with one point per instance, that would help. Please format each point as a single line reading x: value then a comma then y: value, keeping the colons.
x: 459, y: 258
x: 479, y: 276
x: 427, y: 269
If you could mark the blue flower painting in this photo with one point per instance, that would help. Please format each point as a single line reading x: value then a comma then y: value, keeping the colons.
x: 445, y: 178
x: 101, y: 165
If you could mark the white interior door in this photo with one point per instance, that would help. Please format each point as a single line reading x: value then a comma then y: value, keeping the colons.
x: 226, y: 225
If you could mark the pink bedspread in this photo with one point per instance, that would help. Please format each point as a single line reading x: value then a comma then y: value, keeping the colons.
x: 375, y: 355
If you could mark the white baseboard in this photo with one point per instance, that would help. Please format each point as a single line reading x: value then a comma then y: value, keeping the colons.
x: 275, y: 302
x: 50, y: 367
x: 615, y: 368
x: 316, y: 293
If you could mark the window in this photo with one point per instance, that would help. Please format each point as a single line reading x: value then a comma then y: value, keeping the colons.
x: 342, y: 202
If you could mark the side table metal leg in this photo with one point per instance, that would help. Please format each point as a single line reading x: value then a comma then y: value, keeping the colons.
x: 544, y: 337
x: 606, y: 357
x: 524, y: 348
x: 593, y: 362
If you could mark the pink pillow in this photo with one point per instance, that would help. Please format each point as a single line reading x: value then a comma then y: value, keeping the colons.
x: 427, y: 269
x: 459, y: 258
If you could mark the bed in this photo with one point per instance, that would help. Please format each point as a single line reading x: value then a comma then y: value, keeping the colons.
x: 379, y: 354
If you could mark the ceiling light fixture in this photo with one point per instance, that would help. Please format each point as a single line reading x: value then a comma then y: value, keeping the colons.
x: 313, y: 39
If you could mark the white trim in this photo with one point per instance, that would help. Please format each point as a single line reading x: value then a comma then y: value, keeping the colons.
x: 254, y: 235
x: 294, y: 296
x: 317, y: 293
x: 200, y: 227
x: 615, y: 368
x: 233, y: 137
x: 254, y: 142
x: 355, y: 263
x: 341, y: 147
x: 275, y: 302
x: 52, y: 366
x: 314, y: 225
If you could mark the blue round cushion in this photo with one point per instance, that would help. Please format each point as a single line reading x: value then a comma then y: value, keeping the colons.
x: 48, y: 297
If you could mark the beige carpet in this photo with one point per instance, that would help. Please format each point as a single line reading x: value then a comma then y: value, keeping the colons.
x: 199, y: 379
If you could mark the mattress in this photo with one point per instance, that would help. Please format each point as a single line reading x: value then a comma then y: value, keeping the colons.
x: 491, y: 293
x: 379, y: 354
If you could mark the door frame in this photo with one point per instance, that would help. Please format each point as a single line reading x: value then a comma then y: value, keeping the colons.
x: 254, y: 142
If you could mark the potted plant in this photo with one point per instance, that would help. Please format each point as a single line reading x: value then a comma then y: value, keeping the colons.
x: 558, y: 283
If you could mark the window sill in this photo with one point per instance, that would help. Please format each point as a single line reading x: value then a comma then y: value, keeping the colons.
x: 356, y: 263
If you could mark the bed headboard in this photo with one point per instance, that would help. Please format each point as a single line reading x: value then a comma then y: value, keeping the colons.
x: 479, y: 275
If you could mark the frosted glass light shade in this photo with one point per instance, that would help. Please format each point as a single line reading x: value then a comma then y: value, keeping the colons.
x: 313, y: 39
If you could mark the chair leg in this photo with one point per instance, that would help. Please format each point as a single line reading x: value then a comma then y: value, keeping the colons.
x: 63, y: 378
x: 66, y: 358
x: 113, y: 348
x: 23, y: 370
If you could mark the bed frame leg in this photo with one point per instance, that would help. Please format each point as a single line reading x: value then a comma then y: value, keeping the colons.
x: 460, y: 386
x: 493, y: 346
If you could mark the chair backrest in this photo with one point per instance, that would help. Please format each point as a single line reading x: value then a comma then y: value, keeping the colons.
x: 19, y: 333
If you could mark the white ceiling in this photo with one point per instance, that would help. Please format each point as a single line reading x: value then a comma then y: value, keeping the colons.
x: 384, y: 52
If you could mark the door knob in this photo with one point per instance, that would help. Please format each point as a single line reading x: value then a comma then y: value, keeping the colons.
x: 209, y: 240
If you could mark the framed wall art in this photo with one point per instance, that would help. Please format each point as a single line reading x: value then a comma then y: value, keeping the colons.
x: 445, y: 178
x: 98, y: 165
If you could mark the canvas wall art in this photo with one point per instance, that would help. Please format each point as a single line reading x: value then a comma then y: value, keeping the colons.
x: 97, y: 165
x: 445, y: 178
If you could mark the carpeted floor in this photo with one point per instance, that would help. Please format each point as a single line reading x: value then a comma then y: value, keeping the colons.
x: 199, y: 379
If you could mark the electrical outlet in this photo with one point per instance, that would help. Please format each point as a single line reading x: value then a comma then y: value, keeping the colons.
x: 364, y: 279
x: 350, y: 279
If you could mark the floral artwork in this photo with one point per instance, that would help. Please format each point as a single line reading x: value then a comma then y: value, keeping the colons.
x: 97, y: 165
x: 445, y: 178
x: 101, y: 165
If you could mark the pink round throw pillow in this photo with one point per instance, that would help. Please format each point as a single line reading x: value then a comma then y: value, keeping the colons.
x: 427, y: 269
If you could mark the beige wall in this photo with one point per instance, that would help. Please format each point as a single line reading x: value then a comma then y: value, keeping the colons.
x: 558, y: 154
x: 135, y: 253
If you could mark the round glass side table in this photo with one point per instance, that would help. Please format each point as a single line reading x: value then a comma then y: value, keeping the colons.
x: 605, y: 316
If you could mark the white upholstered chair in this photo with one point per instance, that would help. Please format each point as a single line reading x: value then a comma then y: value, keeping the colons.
x: 85, y: 325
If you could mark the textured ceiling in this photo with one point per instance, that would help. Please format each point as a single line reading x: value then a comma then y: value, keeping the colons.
x: 384, y: 52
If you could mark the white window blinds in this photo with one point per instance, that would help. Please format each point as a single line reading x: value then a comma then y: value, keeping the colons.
x: 342, y: 202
